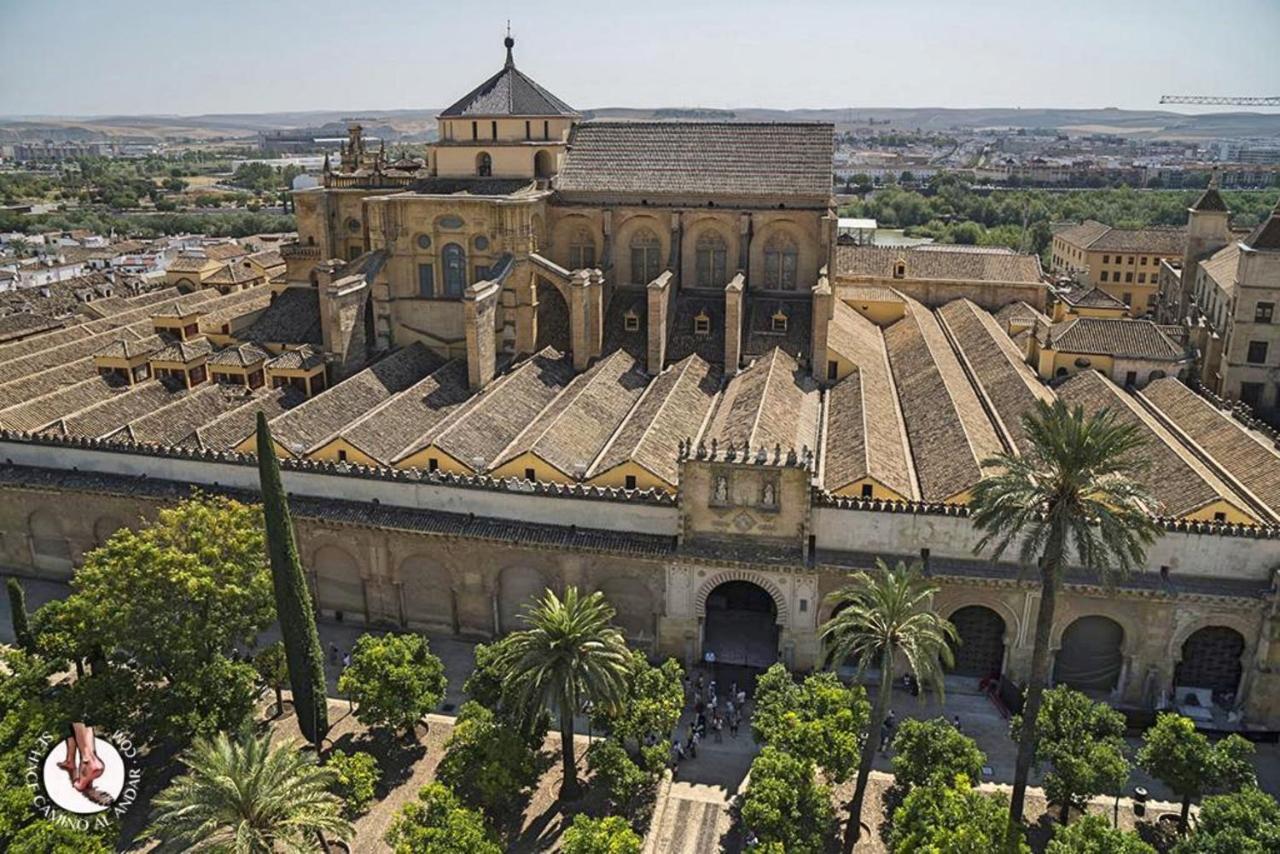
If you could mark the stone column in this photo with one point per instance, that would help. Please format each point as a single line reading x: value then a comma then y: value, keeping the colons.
x: 673, y: 257
x: 733, y: 325
x: 659, y: 292
x: 823, y: 309
x: 479, y: 305
x: 580, y: 318
x: 744, y: 244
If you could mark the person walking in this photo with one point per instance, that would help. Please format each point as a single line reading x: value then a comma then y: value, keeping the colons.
x: 716, y: 726
x: 886, y: 731
x: 734, y: 720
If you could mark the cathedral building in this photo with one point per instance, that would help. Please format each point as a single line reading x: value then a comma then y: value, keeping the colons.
x: 631, y: 356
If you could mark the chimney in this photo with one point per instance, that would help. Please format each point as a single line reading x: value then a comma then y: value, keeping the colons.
x: 659, y: 293
x: 733, y: 325
x: 586, y: 312
x: 480, y: 306
x: 823, y: 308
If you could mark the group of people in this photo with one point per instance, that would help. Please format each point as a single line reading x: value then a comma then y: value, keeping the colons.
x: 711, y: 712
x: 333, y: 656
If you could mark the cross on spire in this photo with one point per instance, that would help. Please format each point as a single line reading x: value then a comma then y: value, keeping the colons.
x: 510, y: 43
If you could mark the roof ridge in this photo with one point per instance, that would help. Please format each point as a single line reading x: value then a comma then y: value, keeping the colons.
x: 764, y: 394
x: 648, y: 389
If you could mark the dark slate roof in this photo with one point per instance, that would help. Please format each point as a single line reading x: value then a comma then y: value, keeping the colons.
x: 758, y: 338
x: 510, y: 92
x: 1267, y: 236
x: 1210, y: 200
x: 705, y: 158
x: 292, y: 318
x: 683, y: 341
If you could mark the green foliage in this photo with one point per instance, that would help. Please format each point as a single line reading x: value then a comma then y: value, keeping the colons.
x: 1243, y: 822
x: 820, y: 720
x: 175, y: 184
x: 486, y: 764
x: 1184, y: 759
x: 437, y: 823
x: 245, y: 795
x: 394, y: 680
x: 49, y: 837
x: 784, y: 803
x: 18, y: 615
x: 355, y: 780
x: 170, y: 673
x: 292, y: 597
x: 571, y: 654
x: 1083, y: 742
x: 272, y: 666
x: 208, y: 200
x: 611, y: 835
x: 954, y: 818
x: 258, y: 176
x: 613, y: 770
x: 215, y: 223
x: 488, y: 686
x: 651, y: 704
x: 1092, y: 834
x: 929, y: 751
x: 28, y: 712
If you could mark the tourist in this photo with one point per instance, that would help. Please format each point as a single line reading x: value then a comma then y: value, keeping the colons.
x: 886, y: 731
x: 733, y: 724
x: 346, y: 660
x: 333, y: 653
x: 742, y: 699
x: 716, y: 726
x: 956, y: 721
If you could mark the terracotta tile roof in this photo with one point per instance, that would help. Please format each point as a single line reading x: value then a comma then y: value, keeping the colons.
x: 236, y: 273
x: 304, y: 428
x: 187, y: 263
x: 170, y: 424
x: 949, y: 432
x: 864, y: 434
x: 1180, y: 482
x: 1159, y: 240
x: 42, y: 382
x: 225, y: 251
x: 1137, y: 339
x: 268, y: 258
x: 240, y: 356
x: 230, y: 429
x: 703, y: 158
x: 104, y: 418
x: 1007, y: 383
x: 292, y: 318
x: 486, y: 426
x: 510, y: 92
x: 673, y: 408
x: 1094, y: 297
x: 869, y: 293
x: 879, y: 262
x: 411, y: 415
x: 1247, y: 457
x: 234, y: 305
x: 174, y: 310
x: 183, y: 351
x: 1019, y: 314
x: 302, y: 358
x: 128, y: 348
x: 774, y: 402
x: 572, y: 430
x: 38, y: 413
x: 1082, y: 234
x: 1222, y: 265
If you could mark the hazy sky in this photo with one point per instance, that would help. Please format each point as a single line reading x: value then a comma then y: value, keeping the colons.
x: 96, y: 57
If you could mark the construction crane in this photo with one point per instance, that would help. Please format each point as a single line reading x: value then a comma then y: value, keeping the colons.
x: 1221, y: 99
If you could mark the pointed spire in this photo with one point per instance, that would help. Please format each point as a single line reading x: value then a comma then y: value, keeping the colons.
x: 510, y: 43
x: 1211, y: 199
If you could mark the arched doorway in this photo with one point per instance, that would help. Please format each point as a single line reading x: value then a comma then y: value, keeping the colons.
x: 428, y: 593
x: 1090, y: 658
x: 741, y: 625
x: 1211, y: 659
x: 553, y: 318
x: 542, y: 164
x: 339, y: 588
x: 980, y: 652
x: 518, y: 587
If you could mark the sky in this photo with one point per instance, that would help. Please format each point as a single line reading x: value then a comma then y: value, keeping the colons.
x: 109, y: 57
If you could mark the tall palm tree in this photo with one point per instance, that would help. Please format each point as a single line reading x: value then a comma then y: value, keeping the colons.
x: 880, y: 617
x: 1072, y: 495
x: 571, y: 653
x: 246, y: 797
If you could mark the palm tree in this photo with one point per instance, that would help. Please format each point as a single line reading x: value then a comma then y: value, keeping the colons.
x: 879, y: 617
x: 570, y: 654
x: 245, y: 796
x: 1074, y: 489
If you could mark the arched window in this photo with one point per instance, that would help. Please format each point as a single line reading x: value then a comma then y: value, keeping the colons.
x: 582, y: 250
x: 541, y: 163
x: 484, y: 164
x: 454, y: 258
x: 781, y: 260
x: 645, y: 257
x: 711, y: 267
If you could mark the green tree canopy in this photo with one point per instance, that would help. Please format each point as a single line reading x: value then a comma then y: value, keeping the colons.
x: 784, y: 803
x: 394, y: 680
x: 437, y: 823
x: 953, y: 818
x: 1184, y: 759
x: 273, y: 669
x: 611, y: 835
x: 821, y: 719
x: 355, y: 780
x: 1243, y: 822
x: 926, y: 751
x: 486, y: 764
x: 487, y: 685
x: 652, y: 700
x: 1092, y: 834
x: 1083, y: 743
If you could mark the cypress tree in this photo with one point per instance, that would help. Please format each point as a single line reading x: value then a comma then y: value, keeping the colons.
x: 18, y: 609
x: 293, y: 602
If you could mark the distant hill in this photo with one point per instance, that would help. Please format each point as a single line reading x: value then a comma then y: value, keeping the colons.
x: 1151, y: 124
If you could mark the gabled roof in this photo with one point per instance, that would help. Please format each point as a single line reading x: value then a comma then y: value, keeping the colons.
x: 302, y: 358
x: 420, y: 410
x: 702, y: 158
x: 774, y: 402
x: 1137, y: 339
x: 1094, y: 297
x: 183, y: 351
x: 1210, y: 200
x: 127, y: 348
x: 509, y: 93
x: 293, y: 317
x: 240, y: 356
x: 1267, y: 235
